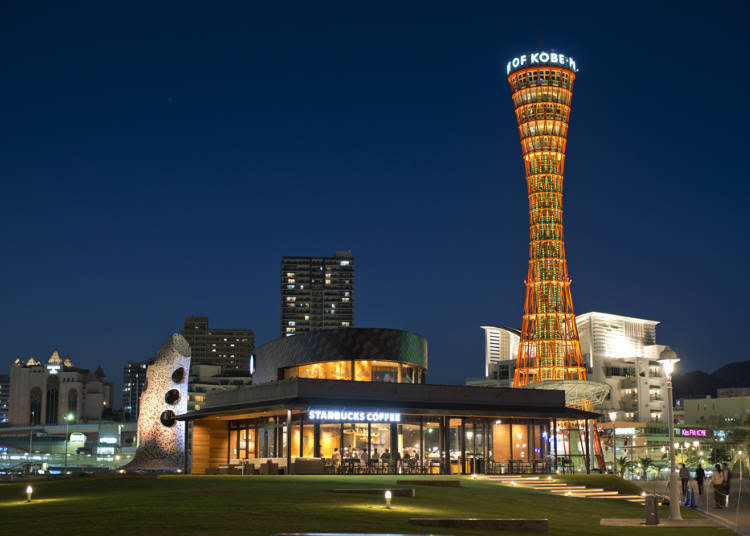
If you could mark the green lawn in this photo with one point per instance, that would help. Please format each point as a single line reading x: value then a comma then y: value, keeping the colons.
x: 265, y: 505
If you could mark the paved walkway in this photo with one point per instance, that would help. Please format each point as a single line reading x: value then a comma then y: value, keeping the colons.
x: 737, y: 518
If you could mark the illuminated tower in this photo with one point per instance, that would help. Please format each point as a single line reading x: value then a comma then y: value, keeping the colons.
x: 549, y: 352
x: 542, y: 86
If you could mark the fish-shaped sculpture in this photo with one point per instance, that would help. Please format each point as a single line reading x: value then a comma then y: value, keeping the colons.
x: 161, y: 437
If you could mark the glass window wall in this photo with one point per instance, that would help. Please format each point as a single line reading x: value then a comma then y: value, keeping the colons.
x: 359, y: 370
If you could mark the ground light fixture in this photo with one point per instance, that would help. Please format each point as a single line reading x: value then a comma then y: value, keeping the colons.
x: 29, y: 491
x: 388, y: 496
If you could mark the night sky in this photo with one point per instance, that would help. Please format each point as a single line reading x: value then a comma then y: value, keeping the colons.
x: 157, y: 161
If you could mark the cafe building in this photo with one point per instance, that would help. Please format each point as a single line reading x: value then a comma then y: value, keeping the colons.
x: 354, y: 400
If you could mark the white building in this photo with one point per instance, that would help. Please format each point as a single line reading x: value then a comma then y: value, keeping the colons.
x: 501, y: 350
x: 44, y: 394
x: 618, y: 350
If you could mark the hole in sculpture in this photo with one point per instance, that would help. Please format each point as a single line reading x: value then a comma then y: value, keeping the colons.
x: 172, y: 397
x: 178, y: 375
x: 168, y: 418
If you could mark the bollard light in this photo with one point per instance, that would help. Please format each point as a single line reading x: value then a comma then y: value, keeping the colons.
x: 29, y: 491
x: 388, y: 499
x: 473, y: 476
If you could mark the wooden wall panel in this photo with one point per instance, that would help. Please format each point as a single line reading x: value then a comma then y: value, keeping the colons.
x: 209, y: 445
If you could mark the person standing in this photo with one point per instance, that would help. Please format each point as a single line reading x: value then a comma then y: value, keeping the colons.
x: 727, y: 479
x: 336, y: 459
x: 700, y: 475
x: 717, y: 481
x: 685, y: 477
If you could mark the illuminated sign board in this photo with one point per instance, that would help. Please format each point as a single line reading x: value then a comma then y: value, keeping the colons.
x: 693, y: 432
x: 77, y: 437
x: 541, y: 58
x: 352, y: 415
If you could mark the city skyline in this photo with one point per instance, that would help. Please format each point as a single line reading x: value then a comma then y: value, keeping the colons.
x: 124, y: 156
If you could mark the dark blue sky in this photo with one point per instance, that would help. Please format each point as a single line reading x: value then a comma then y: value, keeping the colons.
x: 158, y: 160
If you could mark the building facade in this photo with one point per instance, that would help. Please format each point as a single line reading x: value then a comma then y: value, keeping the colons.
x: 206, y: 378
x: 317, y: 293
x: 231, y: 349
x: 620, y: 351
x: 359, y: 393
x: 133, y: 384
x: 90, y: 447
x: 44, y: 394
x: 500, y: 354
x: 4, y: 397
x: 722, y: 411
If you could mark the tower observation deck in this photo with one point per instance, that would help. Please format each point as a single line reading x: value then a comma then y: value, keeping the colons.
x: 549, y: 348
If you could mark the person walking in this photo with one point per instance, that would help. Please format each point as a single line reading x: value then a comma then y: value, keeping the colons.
x: 685, y: 477
x: 717, y: 481
x: 700, y: 476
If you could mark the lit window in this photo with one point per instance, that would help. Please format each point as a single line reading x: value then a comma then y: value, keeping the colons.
x: 307, y: 317
x: 292, y: 323
x: 345, y: 324
x: 344, y: 263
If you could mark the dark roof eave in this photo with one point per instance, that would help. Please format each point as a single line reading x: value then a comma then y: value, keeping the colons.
x: 487, y: 410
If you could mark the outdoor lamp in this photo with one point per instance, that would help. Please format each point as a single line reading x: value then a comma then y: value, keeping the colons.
x: 388, y: 499
x: 29, y: 491
x: 668, y: 365
x: 613, y: 419
x: 668, y: 361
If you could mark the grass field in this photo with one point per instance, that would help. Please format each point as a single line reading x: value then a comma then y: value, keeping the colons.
x: 266, y: 505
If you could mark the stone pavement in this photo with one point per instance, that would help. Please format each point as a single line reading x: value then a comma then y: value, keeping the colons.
x: 734, y: 517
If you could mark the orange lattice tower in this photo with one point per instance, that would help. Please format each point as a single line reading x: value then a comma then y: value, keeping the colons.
x: 549, y: 350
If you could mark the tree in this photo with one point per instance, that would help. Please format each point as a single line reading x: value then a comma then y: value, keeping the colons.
x: 645, y: 462
x: 623, y: 464
x: 720, y: 453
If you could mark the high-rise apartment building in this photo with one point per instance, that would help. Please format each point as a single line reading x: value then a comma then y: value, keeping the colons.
x: 4, y: 397
x: 317, y: 293
x: 229, y: 348
x: 133, y: 384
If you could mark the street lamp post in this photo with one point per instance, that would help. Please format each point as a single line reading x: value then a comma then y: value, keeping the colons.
x: 613, y: 419
x: 68, y: 417
x: 668, y: 363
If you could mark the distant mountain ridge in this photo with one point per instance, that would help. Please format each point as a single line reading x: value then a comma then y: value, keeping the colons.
x: 698, y: 384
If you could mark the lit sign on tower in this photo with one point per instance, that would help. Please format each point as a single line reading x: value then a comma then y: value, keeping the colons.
x: 541, y: 58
